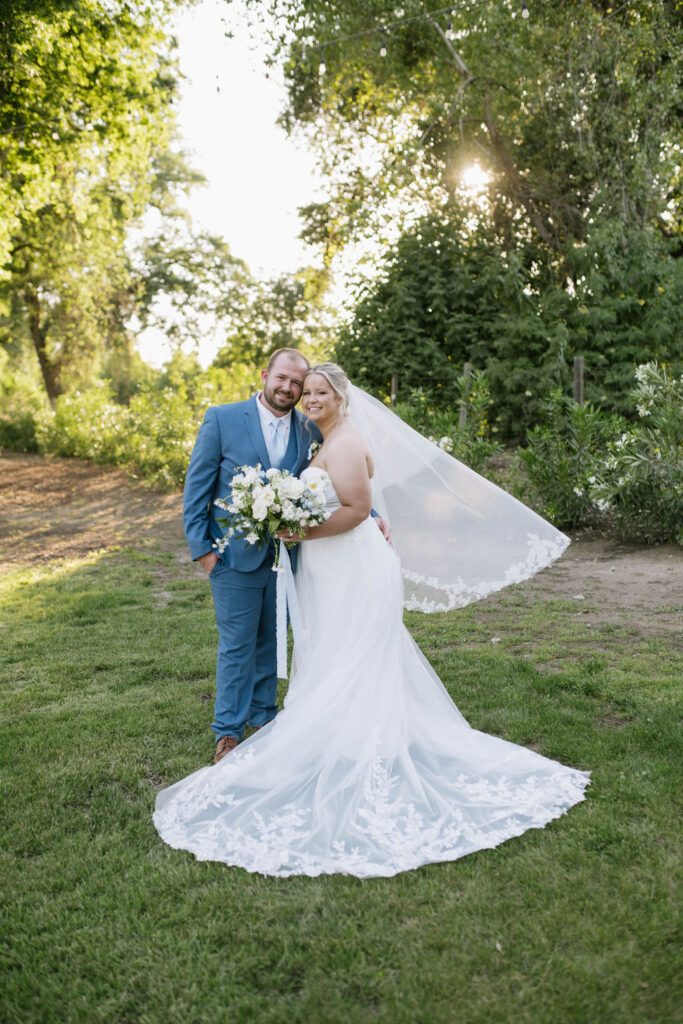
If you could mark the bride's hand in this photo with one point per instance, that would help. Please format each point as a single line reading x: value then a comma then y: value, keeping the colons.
x: 289, y: 538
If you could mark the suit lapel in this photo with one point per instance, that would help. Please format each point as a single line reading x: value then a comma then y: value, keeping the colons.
x: 303, y: 440
x: 253, y: 422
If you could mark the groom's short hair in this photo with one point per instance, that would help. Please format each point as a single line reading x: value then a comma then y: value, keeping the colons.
x: 293, y: 352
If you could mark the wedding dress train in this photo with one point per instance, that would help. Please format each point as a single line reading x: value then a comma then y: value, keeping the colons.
x: 370, y: 769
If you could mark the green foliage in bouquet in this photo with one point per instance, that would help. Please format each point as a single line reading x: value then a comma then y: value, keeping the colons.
x: 639, y: 483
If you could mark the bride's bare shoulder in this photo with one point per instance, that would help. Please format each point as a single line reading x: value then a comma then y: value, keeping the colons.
x: 349, y: 446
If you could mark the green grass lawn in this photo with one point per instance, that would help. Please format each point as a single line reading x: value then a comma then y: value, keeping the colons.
x: 107, y: 682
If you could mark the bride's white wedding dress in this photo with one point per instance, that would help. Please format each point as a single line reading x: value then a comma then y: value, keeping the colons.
x: 370, y: 769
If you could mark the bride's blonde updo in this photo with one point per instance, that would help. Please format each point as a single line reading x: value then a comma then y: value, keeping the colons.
x: 337, y: 380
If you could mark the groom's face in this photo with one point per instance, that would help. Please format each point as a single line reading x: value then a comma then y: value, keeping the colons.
x: 282, y: 384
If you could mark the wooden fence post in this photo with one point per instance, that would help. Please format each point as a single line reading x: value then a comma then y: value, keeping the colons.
x: 578, y: 379
x: 467, y: 373
x: 394, y: 390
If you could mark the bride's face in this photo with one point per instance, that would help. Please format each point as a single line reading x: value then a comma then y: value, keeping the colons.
x: 319, y: 401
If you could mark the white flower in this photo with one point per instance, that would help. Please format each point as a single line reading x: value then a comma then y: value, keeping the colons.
x: 221, y: 504
x: 591, y: 479
x: 602, y: 504
x: 259, y: 511
x: 291, y: 487
x: 316, y: 486
x: 252, y: 538
x: 264, y: 494
x: 577, y: 490
x: 251, y: 474
x: 270, y: 473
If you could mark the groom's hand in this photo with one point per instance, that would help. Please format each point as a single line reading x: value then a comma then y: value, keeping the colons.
x: 384, y: 528
x: 208, y: 561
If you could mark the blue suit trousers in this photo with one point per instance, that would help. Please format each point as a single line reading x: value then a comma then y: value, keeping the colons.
x: 245, y: 616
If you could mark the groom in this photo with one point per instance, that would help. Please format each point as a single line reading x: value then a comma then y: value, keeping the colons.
x: 266, y: 429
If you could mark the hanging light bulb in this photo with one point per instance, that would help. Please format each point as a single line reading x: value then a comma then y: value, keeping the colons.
x: 525, y: 9
x: 321, y: 66
x: 383, y: 47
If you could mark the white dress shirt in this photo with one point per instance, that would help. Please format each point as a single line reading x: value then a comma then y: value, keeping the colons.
x: 267, y: 417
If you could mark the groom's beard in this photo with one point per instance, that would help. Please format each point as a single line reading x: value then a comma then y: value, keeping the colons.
x: 280, y: 399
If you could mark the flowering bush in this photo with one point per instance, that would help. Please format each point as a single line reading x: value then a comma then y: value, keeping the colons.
x: 152, y: 436
x: 639, y: 482
x: 562, y: 458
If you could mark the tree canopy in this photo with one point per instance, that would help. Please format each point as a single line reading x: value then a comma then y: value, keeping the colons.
x: 86, y: 148
x: 571, y: 242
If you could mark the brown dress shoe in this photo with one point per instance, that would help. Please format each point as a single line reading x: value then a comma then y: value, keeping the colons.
x: 224, y: 746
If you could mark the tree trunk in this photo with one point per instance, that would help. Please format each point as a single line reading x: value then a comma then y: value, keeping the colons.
x: 49, y: 370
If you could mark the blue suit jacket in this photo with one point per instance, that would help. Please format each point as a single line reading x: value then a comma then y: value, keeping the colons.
x: 230, y: 437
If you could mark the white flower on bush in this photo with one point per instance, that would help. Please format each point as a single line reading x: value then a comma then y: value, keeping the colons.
x: 602, y: 504
x: 577, y: 490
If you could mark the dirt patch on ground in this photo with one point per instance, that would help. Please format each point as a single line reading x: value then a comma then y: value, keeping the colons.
x: 64, y: 508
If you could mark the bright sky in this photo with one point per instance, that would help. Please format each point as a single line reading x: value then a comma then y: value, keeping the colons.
x: 257, y: 176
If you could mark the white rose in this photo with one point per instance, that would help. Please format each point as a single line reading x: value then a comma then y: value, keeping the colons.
x: 265, y: 494
x: 259, y: 511
x: 291, y: 487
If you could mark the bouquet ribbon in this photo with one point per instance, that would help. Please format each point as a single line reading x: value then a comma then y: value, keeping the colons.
x: 285, y: 600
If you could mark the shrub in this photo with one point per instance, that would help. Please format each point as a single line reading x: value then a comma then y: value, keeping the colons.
x: 471, y: 441
x: 18, y: 432
x: 153, y: 435
x: 639, y: 483
x: 562, y: 456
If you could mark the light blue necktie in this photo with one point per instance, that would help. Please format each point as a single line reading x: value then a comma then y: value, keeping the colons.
x: 277, y: 444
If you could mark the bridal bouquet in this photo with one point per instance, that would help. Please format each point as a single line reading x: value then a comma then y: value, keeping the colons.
x: 263, y: 502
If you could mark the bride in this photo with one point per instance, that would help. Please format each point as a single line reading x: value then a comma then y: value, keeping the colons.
x: 370, y: 769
